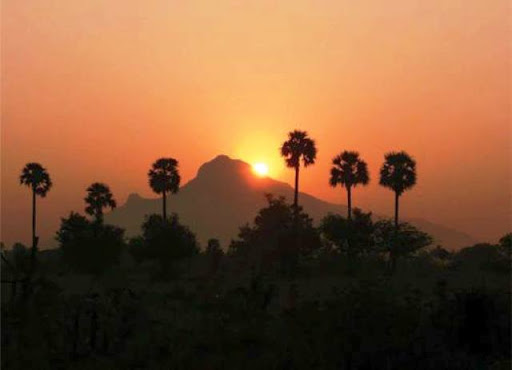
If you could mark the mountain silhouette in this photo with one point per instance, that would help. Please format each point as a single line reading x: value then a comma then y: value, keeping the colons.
x: 226, y: 194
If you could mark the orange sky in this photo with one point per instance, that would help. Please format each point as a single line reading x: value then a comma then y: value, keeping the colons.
x: 96, y: 90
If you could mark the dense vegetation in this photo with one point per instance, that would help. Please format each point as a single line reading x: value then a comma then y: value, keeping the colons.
x: 353, y: 292
x: 338, y: 304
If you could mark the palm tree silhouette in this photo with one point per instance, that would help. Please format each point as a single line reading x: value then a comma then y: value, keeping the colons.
x: 37, y: 178
x: 398, y: 173
x: 164, y: 177
x: 298, y: 146
x: 349, y: 171
x: 98, y: 197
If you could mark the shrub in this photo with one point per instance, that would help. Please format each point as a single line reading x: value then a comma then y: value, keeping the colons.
x: 167, y: 240
x: 89, y: 247
x: 350, y: 237
x: 277, y: 235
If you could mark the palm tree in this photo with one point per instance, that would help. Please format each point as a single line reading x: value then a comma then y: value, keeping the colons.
x: 37, y: 178
x: 98, y: 197
x: 163, y: 178
x: 398, y: 173
x: 298, y: 146
x: 349, y: 171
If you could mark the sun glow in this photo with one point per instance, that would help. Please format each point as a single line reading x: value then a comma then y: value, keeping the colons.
x: 261, y: 169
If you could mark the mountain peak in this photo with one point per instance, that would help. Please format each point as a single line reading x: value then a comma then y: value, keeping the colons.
x: 221, y: 157
x: 134, y: 198
x: 224, y: 167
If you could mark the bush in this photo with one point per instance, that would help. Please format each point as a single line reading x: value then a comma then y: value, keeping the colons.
x: 165, y: 240
x: 505, y: 245
x: 89, y: 247
x: 136, y: 248
x: 400, y: 242
x: 21, y: 258
x: 350, y: 237
x: 214, y: 254
x: 276, y: 236
x: 482, y: 256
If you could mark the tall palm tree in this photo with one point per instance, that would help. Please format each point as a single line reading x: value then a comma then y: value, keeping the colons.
x: 298, y: 146
x: 98, y: 197
x: 349, y: 171
x: 164, y: 178
x: 36, y: 177
x: 398, y: 173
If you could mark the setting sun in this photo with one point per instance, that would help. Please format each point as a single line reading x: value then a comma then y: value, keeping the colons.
x: 261, y: 169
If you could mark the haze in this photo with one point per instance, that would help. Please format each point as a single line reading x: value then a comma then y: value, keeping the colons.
x: 96, y: 91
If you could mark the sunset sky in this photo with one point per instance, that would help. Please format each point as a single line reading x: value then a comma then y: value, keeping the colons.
x: 97, y: 90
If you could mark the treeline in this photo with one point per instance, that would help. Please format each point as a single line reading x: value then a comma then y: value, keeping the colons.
x: 280, y: 239
x: 282, y: 234
x: 398, y: 173
x: 90, y: 245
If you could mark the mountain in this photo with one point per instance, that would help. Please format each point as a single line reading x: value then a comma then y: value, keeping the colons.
x: 226, y: 194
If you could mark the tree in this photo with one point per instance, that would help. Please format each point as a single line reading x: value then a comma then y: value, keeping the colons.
x: 137, y: 249
x: 349, y: 171
x: 399, y: 241
x: 87, y: 246
x: 36, y: 177
x: 213, y: 247
x: 351, y: 237
x: 21, y: 258
x: 272, y: 237
x: 164, y: 178
x: 440, y: 253
x: 167, y: 240
x: 505, y: 245
x: 298, y: 146
x: 398, y: 173
x: 214, y: 253
x: 484, y: 256
x: 98, y: 197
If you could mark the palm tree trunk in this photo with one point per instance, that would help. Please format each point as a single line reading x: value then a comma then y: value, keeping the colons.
x: 99, y: 216
x: 296, y: 195
x: 349, y: 202
x: 396, y: 210
x: 165, y: 205
x: 292, y: 260
x: 393, y: 256
x: 34, y: 238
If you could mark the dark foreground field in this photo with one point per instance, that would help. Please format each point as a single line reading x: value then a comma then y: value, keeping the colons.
x: 434, y: 312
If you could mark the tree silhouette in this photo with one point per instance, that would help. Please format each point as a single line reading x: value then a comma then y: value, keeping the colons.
x: 21, y: 258
x: 167, y: 240
x: 505, y: 245
x: 37, y: 178
x: 271, y: 239
x: 399, y: 241
x: 349, y: 171
x: 214, y: 253
x: 351, y: 237
x: 398, y: 173
x: 213, y: 247
x: 87, y: 246
x: 163, y: 178
x: 98, y: 197
x: 298, y: 146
